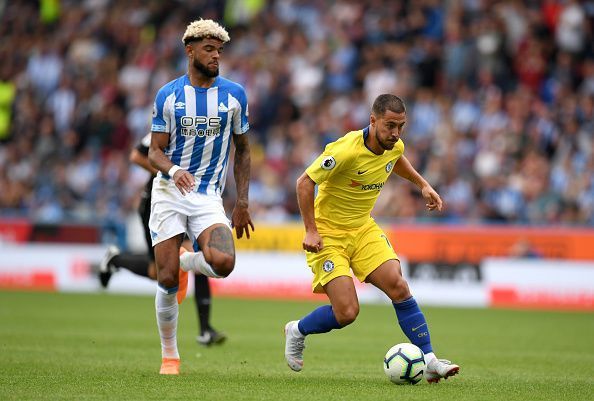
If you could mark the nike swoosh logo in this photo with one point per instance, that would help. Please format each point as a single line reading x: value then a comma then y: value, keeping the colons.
x: 418, y: 327
x: 362, y: 172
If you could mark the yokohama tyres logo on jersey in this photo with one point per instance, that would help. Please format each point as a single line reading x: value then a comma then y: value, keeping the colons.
x: 190, y: 126
x: 367, y: 187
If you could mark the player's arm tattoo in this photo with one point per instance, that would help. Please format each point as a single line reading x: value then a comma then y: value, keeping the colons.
x: 221, y: 239
x: 241, y: 168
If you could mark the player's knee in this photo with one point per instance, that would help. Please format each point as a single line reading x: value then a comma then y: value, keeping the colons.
x: 152, y: 271
x: 167, y: 278
x: 222, y: 264
x: 347, y: 315
x: 399, y: 290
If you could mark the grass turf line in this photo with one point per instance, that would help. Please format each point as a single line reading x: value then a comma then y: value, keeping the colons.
x: 102, y: 346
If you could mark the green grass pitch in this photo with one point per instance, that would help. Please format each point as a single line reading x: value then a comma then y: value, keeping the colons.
x: 96, y: 347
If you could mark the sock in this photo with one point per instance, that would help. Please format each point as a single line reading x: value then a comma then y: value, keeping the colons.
x: 137, y: 264
x: 413, y: 324
x: 194, y: 261
x: 429, y: 356
x: 321, y: 320
x: 167, y: 312
x: 202, y: 296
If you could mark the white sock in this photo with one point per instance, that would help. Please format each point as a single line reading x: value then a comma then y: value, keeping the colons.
x: 194, y: 261
x: 429, y: 356
x: 296, y: 332
x: 167, y: 312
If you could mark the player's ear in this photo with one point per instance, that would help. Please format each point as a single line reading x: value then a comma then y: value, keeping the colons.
x: 372, y: 120
x: 189, y: 50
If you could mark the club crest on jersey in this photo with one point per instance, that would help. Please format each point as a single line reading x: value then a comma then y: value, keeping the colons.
x: 389, y: 167
x: 190, y: 126
x: 328, y: 266
x: 328, y: 163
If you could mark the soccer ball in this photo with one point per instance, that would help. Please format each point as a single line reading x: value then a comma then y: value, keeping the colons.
x: 404, y: 364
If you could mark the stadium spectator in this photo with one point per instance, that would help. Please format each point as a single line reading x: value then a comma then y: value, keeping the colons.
x: 502, y: 93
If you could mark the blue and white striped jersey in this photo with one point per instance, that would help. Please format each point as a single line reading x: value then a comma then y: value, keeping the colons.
x: 200, y: 122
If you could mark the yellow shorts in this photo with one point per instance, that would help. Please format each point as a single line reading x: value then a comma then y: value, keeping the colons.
x: 363, y: 250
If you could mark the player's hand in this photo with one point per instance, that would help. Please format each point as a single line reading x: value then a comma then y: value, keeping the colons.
x: 313, y: 242
x: 241, y: 221
x: 432, y: 198
x: 184, y: 181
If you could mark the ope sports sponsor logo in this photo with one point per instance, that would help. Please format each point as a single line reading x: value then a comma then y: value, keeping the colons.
x: 190, y: 126
x: 367, y: 187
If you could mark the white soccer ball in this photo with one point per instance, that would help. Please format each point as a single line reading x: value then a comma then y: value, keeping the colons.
x: 404, y: 364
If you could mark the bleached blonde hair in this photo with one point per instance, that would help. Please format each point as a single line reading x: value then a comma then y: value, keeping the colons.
x: 205, y: 28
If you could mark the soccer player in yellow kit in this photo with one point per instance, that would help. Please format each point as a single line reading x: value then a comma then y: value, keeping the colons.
x: 340, y: 234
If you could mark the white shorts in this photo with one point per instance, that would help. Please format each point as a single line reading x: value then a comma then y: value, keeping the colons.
x: 173, y: 213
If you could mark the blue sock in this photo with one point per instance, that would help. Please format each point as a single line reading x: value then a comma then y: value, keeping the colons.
x: 321, y: 320
x: 166, y: 290
x: 413, y: 324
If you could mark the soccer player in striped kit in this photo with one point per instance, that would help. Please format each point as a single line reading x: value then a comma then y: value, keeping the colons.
x: 144, y: 264
x: 195, y: 117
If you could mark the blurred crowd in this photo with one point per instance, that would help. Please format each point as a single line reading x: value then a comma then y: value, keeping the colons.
x: 499, y: 95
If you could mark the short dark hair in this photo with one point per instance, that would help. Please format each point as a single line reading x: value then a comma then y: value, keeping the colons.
x: 387, y: 102
x: 191, y: 39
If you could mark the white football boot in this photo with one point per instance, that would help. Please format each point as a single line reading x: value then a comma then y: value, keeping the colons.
x: 439, y: 369
x: 106, y: 268
x: 294, y: 346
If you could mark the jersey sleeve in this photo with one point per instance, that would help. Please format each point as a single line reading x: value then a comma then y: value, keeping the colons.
x: 161, y: 113
x: 241, y: 124
x: 335, y: 158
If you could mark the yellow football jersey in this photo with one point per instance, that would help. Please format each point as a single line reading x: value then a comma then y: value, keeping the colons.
x: 350, y: 177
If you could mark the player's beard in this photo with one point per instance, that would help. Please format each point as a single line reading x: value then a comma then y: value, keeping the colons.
x: 204, y: 69
x: 386, y: 145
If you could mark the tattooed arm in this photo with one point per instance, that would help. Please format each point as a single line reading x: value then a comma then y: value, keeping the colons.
x: 240, y: 218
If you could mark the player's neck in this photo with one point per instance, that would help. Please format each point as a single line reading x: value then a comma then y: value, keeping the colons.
x: 200, y: 80
x: 371, y: 143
